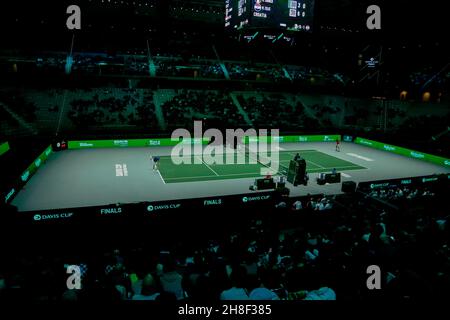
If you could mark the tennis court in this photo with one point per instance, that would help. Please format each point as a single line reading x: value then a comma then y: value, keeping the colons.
x: 316, y: 162
x: 95, y: 177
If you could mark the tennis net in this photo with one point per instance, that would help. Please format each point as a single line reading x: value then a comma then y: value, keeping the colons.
x: 256, y: 157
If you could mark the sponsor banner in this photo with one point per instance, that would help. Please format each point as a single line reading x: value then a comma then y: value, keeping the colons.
x: 347, y: 138
x: 10, y: 195
x: 247, y: 199
x: 404, y: 152
x: 52, y: 216
x: 91, y: 144
x: 414, y: 181
x: 147, y: 209
x: 120, y: 143
x: 158, y: 207
x: 406, y: 181
x: 213, y: 202
x: 110, y: 211
x: 26, y: 175
x: 379, y: 185
x: 316, y: 138
x: 293, y: 139
x: 4, y: 147
x: 124, y: 143
x: 429, y: 179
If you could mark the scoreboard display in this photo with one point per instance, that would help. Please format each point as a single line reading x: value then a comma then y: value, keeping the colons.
x: 290, y: 15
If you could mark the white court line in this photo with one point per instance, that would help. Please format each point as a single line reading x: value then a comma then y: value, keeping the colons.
x: 302, y: 151
x: 316, y: 164
x: 253, y: 174
x: 349, y: 168
x: 345, y: 175
x: 344, y: 167
x: 121, y: 170
x: 359, y: 157
x: 159, y: 173
x: 208, y: 166
x: 223, y: 175
x: 161, y: 177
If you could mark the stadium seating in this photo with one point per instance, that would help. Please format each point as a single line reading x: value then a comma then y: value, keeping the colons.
x: 293, y: 251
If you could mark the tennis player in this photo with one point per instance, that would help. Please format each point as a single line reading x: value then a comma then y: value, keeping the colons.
x: 338, y: 145
x: 156, y: 163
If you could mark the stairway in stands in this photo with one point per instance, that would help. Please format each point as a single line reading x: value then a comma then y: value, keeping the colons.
x: 27, y: 128
x: 47, y: 116
x: 241, y: 110
x: 160, y: 97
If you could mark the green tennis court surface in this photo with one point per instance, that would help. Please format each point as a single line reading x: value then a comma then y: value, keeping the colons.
x: 315, y: 162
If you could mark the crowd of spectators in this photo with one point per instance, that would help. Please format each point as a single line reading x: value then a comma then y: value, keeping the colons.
x: 400, y: 193
x: 6, y: 120
x: 169, y: 64
x: 314, y: 74
x: 252, y: 71
x: 176, y: 65
x: 189, y: 105
x: 428, y: 123
x: 104, y: 108
x: 94, y: 63
x: 324, y: 110
x: 420, y: 78
x: 302, y: 251
x: 16, y: 102
x: 191, y: 68
x: 136, y: 65
x: 431, y: 131
x: 310, y: 203
x: 275, y: 111
x: 51, y: 62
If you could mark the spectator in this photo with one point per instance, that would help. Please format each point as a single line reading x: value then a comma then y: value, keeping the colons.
x: 297, y: 205
x: 171, y: 280
x: 149, y: 291
x: 263, y: 292
x: 237, y: 290
x: 321, y: 294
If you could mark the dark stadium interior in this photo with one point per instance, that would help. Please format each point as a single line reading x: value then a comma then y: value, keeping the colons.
x: 86, y: 115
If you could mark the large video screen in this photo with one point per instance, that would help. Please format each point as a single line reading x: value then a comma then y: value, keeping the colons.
x: 291, y: 15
